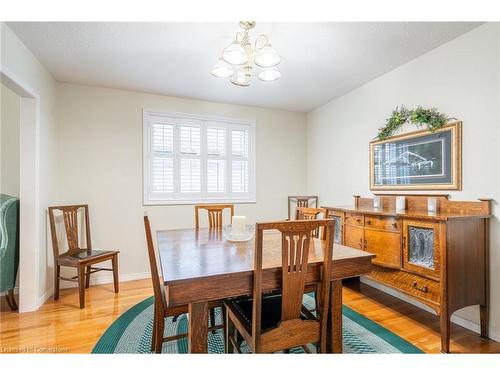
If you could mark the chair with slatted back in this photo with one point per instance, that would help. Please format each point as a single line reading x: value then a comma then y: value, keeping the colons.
x: 301, y: 201
x: 81, y: 258
x: 333, y: 214
x: 310, y: 213
x: 161, y: 310
x: 214, y: 211
x: 276, y: 322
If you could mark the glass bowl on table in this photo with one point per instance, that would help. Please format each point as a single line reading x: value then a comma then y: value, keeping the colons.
x: 246, y: 234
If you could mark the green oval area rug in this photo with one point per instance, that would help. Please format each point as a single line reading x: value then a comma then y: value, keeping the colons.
x: 131, y: 333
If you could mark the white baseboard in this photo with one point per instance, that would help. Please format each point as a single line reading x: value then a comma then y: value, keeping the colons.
x: 470, y: 325
x: 43, y: 298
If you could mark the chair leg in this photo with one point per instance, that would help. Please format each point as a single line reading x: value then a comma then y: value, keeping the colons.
x: 81, y: 285
x: 7, y: 298
x: 155, y: 324
x: 114, y: 262
x: 57, y: 273
x: 87, y: 276
x: 228, y: 334
x: 159, y: 334
x: 211, y: 313
x: 11, y: 301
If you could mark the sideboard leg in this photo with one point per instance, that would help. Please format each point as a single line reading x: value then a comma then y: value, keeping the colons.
x: 445, y: 333
x: 485, y: 320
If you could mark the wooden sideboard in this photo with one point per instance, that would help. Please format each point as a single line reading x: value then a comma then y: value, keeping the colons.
x: 440, y: 259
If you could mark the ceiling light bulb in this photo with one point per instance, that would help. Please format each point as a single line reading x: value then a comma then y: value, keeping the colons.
x: 269, y: 74
x: 241, y: 78
x: 222, y: 69
x: 235, y: 54
x: 267, y: 57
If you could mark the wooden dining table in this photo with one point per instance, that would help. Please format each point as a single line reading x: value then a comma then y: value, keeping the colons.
x: 200, y: 266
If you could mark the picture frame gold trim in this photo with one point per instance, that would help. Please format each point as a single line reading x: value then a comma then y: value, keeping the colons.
x: 456, y: 160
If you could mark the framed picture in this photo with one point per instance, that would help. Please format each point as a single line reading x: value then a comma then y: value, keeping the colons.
x: 420, y: 160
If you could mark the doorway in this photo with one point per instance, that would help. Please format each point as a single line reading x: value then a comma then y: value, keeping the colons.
x: 28, y: 188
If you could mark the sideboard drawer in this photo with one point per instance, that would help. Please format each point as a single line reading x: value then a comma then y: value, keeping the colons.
x: 413, y: 285
x: 381, y: 222
x: 353, y: 219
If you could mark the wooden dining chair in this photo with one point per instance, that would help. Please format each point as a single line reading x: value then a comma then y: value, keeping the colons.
x: 311, y: 213
x: 81, y: 258
x: 333, y: 214
x: 276, y: 322
x: 301, y: 201
x: 161, y: 310
x: 214, y: 214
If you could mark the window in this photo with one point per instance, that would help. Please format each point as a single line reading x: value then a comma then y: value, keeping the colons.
x: 191, y: 159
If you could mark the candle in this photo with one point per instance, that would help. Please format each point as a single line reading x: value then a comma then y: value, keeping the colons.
x: 432, y: 204
x: 400, y: 203
x: 377, y: 202
x: 239, y: 225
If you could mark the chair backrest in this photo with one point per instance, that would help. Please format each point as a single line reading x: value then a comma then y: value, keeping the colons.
x: 159, y: 291
x: 311, y: 213
x: 301, y: 201
x: 331, y: 214
x: 214, y: 214
x: 296, y: 237
x: 70, y: 218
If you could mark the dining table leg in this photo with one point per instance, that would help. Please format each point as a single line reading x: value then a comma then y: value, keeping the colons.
x: 334, y: 342
x: 198, y: 327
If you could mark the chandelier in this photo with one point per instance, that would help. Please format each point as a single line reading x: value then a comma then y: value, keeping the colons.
x: 238, y: 59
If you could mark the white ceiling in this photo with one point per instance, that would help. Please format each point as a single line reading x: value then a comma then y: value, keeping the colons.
x: 320, y: 61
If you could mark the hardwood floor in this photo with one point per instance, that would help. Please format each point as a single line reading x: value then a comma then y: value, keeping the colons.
x: 61, y: 327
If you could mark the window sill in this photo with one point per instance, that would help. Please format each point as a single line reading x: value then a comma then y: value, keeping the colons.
x: 194, y: 202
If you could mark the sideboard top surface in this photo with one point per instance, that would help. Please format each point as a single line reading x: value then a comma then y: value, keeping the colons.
x: 410, y: 214
x: 416, y: 207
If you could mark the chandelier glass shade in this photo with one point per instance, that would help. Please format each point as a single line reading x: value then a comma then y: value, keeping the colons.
x: 235, y: 54
x: 239, y: 58
x: 269, y: 74
x: 222, y: 69
x: 267, y: 56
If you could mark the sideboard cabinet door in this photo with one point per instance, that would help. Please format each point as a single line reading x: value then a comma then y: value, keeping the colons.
x: 385, y: 245
x: 422, y: 247
x: 353, y: 236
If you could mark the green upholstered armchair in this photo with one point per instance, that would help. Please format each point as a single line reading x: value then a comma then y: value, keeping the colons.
x: 9, y: 246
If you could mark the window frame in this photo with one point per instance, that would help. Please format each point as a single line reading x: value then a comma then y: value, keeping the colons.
x: 176, y: 198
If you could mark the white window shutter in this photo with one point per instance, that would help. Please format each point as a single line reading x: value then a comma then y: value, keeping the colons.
x: 239, y: 142
x: 163, y: 138
x: 190, y: 140
x: 197, y: 159
x: 190, y: 174
x: 216, y: 141
x: 239, y: 176
x: 163, y: 175
x: 216, y: 176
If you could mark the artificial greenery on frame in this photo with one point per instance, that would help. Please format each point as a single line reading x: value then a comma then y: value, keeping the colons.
x: 431, y: 118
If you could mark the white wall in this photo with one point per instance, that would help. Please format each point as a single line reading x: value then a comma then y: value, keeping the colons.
x: 100, y: 160
x: 460, y: 78
x: 19, y: 63
x: 9, y: 142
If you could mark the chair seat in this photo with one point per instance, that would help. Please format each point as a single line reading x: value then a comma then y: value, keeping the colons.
x: 271, y: 311
x: 86, y: 255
